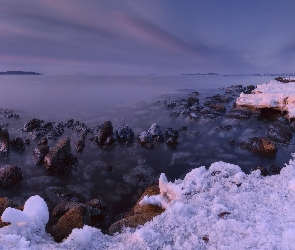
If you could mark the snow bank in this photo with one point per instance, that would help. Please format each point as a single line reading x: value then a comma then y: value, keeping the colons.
x: 274, y: 94
x: 218, y: 208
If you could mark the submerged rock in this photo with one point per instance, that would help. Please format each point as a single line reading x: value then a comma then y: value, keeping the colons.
x: 10, y: 176
x: 279, y: 132
x: 60, y: 157
x: 259, y: 145
x: 59, y: 194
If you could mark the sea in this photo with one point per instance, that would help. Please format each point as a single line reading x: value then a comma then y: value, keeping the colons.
x: 119, y: 175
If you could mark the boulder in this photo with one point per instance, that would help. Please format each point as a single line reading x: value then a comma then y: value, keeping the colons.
x: 259, y: 145
x: 33, y: 124
x: 76, y: 217
x: 153, y: 135
x: 105, y: 131
x: 10, y: 176
x: 80, y: 145
x: 39, y: 154
x: 124, y: 133
x: 139, y: 214
x: 171, y: 137
x: 59, y: 194
x: 17, y: 144
x: 60, y: 157
x: 279, y: 132
x: 4, y: 142
x: 99, y: 212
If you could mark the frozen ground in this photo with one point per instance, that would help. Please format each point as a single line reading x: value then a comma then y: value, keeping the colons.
x: 218, y: 208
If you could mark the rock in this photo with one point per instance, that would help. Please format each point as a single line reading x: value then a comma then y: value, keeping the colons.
x: 79, y: 146
x: 140, y: 176
x: 5, y: 203
x: 4, y: 142
x: 27, y: 141
x: 218, y: 99
x: 39, y: 154
x: 65, y: 206
x: 263, y: 170
x: 10, y: 176
x: 171, y: 137
x: 59, y: 194
x: 259, y: 145
x: 226, y: 128
x: 248, y: 89
x: 273, y: 170
x: 140, y: 214
x: 194, y: 93
x: 192, y: 100
x: 105, y: 132
x: 76, y: 217
x: 279, y: 132
x: 218, y: 109
x: 99, y: 212
x: 60, y: 157
x: 239, y: 114
x: 152, y: 135
x: 33, y: 124
x: 292, y: 126
x: 17, y: 144
x: 283, y: 120
x: 124, y: 133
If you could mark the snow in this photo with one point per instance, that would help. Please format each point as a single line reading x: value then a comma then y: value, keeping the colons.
x: 274, y: 94
x: 218, y: 208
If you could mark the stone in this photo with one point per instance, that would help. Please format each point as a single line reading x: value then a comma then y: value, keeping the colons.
x: 4, y: 143
x: 39, y: 154
x: 10, y: 176
x: 263, y: 170
x: 60, y: 157
x: 171, y: 137
x: 259, y: 145
x: 17, y: 144
x: 153, y: 135
x: 33, y: 124
x: 65, y: 206
x: 80, y: 145
x: 279, y: 132
x: 76, y: 217
x: 100, y: 212
x: 140, y: 214
x: 105, y: 131
x: 124, y: 133
x: 59, y: 194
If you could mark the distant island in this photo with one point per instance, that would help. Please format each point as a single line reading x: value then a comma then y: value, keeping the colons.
x: 19, y: 73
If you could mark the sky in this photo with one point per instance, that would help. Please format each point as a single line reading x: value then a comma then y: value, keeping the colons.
x: 147, y: 36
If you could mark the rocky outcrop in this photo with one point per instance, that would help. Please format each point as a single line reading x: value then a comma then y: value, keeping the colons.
x: 4, y: 142
x: 139, y: 215
x: 10, y: 176
x: 151, y: 136
x: 124, y: 133
x: 259, y: 145
x: 105, y: 136
x: 17, y: 145
x: 40, y: 152
x: 279, y: 132
x: 60, y: 157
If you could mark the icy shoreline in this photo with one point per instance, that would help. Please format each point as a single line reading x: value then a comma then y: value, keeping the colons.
x: 221, y: 207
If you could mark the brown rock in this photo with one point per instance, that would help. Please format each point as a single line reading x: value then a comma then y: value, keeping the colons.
x: 141, y: 214
x: 76, y: 217
x: 9, y: 176
x: 259, y: 145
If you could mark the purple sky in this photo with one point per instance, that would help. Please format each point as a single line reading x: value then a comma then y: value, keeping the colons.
x: 151, y: 36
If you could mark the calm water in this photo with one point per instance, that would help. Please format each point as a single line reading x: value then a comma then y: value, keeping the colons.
x: 121, y: 99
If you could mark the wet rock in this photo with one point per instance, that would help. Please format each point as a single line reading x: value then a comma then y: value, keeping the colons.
x: 17, y: 144
x: 39, y: 154
x: 218, y: 99
x: 76, y: 217
x: 4, y: 142
x: 234, y: 90
x: 79, y: 146
x: 273, y: 170
x: 218, y: 109
x: 105, y: 136
x: 65, y: 206
x: 259, y: 145
x: 10, y: 176
x: 239, y: 114
x: 248, y: 89
x: 5, y: 203
x: 140, y: 176
x: 124, y: 133
x: 99, y: 211
x: 283, y: 120
x: 263, y: 170
x: 33, y: 124
x: 278, y: 132
x: 60, y: 157
x: 192, y: 100
x: 208, y: 118
x: 140, y: 214
x: 59, y: 194
x: 192, y: 117
x: 171, y: 137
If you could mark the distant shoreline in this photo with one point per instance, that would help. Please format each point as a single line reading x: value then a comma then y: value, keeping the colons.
x: 19, y: 73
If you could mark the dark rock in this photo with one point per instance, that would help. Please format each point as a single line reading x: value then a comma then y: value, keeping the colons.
x: 140, y: 214
x: 60, y: 157
x: 269, y: 114
x: 76, y: 217
x: 292, y: 126
x: 39, y: 154
x: 278, y: 132
x: 10, y: 176
x: 171, y: 137
x: 284, y: 80
x: 273, y: 170
x: 248, y: 89
x: 263, y: 170
x: 124, y: 133
x: 226, y: 128
x: 194, y: 93
x: 283, y: 120
x: 153, y: 134
x: 192, y: 117
x: 79, y: 146
x: 259, y: 145
x: 140, y: 176
x: 17, y: 144
x: 33, y: 124
x: 59, y: 194
x: 239, y: 114
x: 192, y: 100
x: 4, y: 142
x: 65, y: 206
x: 106, y: 130
x: 218, y: 99
x: 100, y: 212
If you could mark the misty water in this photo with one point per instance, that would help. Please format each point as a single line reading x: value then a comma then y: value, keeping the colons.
x: 112, y: 175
